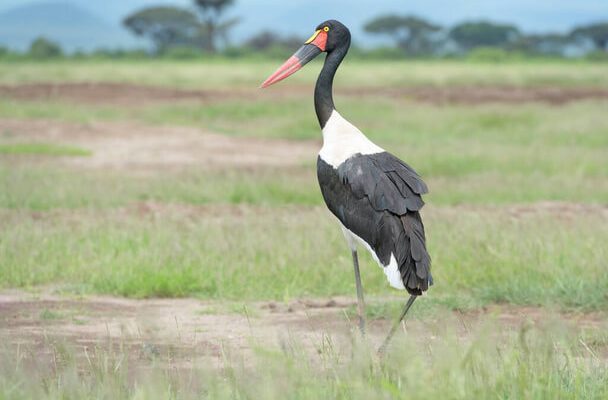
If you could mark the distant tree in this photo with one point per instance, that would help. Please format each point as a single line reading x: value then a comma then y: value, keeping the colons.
x: 469, y: 35
x: 411, y: 33
x: 44, y: 48
x: 598, y: 33
x: 166, y: 26
x: 546, y: 44
x: 266, y: 40
x: 212, y: 25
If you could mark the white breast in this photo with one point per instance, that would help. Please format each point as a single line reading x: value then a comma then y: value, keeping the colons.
x: 341, y: 140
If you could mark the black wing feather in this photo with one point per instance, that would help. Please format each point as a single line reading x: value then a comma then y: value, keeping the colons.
x: 378, y: 197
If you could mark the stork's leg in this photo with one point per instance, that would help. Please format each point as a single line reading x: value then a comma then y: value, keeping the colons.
x: 409, y: 303
x: 360, y: 301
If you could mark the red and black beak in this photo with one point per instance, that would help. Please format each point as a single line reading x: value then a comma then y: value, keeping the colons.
x: 312, y: 48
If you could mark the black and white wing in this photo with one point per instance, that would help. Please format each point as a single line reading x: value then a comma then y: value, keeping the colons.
x: 377, y: 197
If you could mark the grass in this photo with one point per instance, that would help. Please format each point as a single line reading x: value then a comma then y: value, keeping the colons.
x: 242, y: 235
x: 44, y: 188
x: 213, y: 74
x: 41, y: 187
x: 480, y: 257
x: 44, y: 149
x: 487, y: 154
x: 47, y: 315
x: 479, y: 156
x: 532, y: 363
x: 392, y: 122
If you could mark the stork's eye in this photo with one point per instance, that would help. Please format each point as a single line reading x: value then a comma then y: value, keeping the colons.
x: 326, y: 29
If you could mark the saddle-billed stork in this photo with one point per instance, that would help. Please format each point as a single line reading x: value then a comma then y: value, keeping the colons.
x: 375, y: 196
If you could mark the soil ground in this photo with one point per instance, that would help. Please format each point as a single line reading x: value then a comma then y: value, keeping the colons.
x: 133, y: 95
x: 123, y: 145
x: 191, y: 331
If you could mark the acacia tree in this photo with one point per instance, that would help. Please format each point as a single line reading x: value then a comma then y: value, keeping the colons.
x: 598, y: 33
x: 212, y: 25
x: 171, y: 26
x: 412, y: 34
x: 482, y: 33
x: 44, y: 48
x: 165, y: 26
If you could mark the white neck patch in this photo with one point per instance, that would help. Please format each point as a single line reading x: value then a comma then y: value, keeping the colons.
x: 342, y: 140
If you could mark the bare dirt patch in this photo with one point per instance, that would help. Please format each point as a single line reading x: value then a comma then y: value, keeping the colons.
x: 106, y: 93
x: 142, y: 210
x: 186, y: 331
x: 123, y: 145
x: 559, y: 209
x: 496, y: 94
x: 138, y: 95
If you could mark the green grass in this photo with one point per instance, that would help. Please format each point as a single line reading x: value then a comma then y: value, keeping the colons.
x: 47, y: 187
x: 48, y: 315
x: 45, y: 149
x: 532, y: 363
x: 474, y: 155
x: 242, y: 235
x: 214, y: 74
x: 395, y: 122
x: 43, y: 187
x: 487, y: 154
x: 480, y: 257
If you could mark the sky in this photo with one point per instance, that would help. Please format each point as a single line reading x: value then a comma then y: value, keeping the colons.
x: 301, y: 16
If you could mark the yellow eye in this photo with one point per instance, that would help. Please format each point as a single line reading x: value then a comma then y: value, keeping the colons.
x: 326, y: 29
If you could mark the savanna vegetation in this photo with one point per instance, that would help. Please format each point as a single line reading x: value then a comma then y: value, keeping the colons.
x: 516, y: 217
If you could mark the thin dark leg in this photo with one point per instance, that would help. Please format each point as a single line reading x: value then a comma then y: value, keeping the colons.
x: 360, y: 301
x: 409, y: 303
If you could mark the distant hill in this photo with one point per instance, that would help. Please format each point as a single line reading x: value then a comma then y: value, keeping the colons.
x: 64, y: 22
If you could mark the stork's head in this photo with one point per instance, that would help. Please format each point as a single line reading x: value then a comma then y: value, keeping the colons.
x: 329, y: 36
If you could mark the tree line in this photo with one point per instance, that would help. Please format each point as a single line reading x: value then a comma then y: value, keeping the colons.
x: 203, y: 29
x: 418, y: 37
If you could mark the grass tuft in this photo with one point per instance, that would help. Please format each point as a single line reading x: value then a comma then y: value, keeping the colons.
x: 530, y: 363
x: 250, y: 253
x: 43, y: 149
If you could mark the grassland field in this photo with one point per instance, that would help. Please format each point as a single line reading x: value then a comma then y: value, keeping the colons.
x: 164, y: 179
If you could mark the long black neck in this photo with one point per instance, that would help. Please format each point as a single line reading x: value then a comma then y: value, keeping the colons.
x: 324, y: 101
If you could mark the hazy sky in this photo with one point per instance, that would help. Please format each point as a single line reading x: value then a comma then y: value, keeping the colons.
x: 300, y: 16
